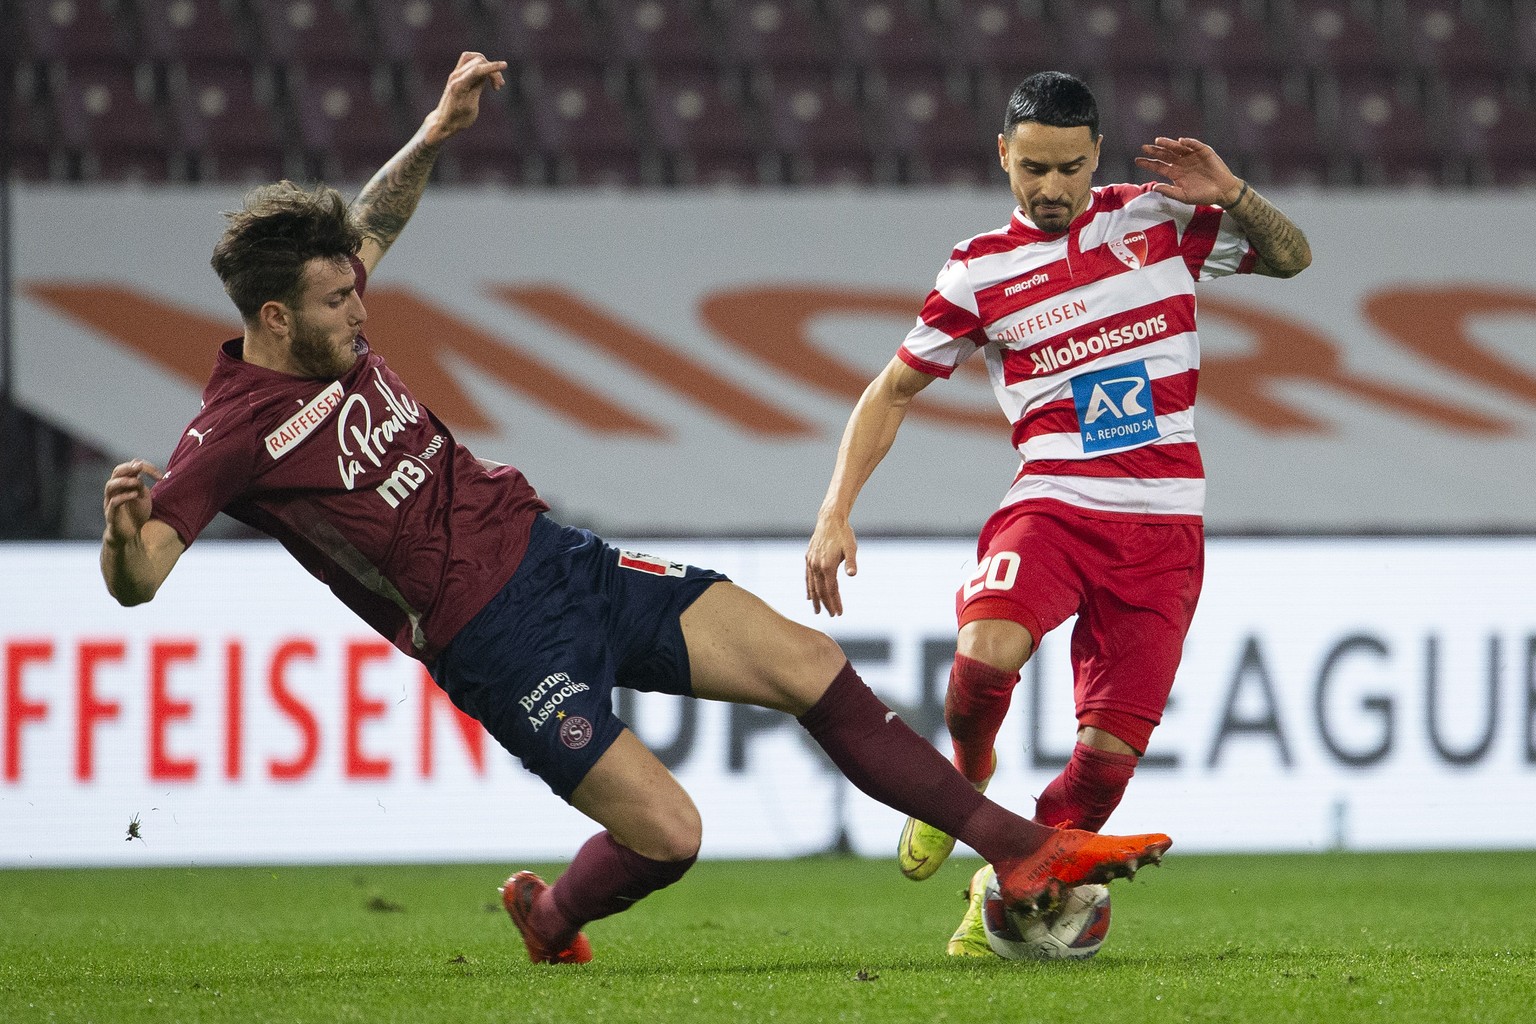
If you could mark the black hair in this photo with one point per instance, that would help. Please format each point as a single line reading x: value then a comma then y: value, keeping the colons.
x: 265, y: 246
x: 1053, y: 98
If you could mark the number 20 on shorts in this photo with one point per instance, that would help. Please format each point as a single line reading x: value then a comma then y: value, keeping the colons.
x: 998, y: 571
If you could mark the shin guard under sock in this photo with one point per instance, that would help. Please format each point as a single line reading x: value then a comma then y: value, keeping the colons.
x: 1088, y: 789
x: 886, y: 760
x: 603, y: 879
x: 974, y: 707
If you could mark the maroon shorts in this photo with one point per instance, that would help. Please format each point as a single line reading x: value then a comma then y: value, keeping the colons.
x: 1133, y: 585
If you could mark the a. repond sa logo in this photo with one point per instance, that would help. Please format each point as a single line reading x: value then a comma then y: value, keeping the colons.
x: 1114, y: 407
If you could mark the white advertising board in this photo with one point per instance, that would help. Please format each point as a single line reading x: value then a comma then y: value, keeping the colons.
x: 1372, y: 694
x: 684, y: 364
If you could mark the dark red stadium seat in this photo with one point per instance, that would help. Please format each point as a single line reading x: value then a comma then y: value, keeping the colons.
x: 664, y: 34
x: 1332, y: 36
x: 1387, y: 138
x: 1440, y: 37
x: 546, y: 33
x: 932, y: 133
x: 29, y: 154
x: 79, y: 30
x: 336, y: 33
x: 349, y: 124
x: 192, y: 31
x: 106, y: 114
x: 1491, y: 133
x: 892, y: 35
x: 1113, y: 38
x: 223, y: 114
x: 497, y: 150
x: 701, y: 125
x: 1270, y: 132
x: 428, y: 36
x: 777, y: 34
x: 582, y: 133
x: 997, y: 37
x: 818, y: 129
x: 1225, y: 35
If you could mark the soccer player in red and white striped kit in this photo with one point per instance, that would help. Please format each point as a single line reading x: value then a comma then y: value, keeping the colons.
x: 1083, y: 308
x: 307, y: 434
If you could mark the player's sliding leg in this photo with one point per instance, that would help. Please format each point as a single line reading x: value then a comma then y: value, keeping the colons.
x: 651, y: 840
x: 1088, y: 790
x: 741, y: 650
x: 975, y: 704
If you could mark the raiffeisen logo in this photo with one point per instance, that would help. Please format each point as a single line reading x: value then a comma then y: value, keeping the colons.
x: 1026, y: 284
x: 1052, y: 358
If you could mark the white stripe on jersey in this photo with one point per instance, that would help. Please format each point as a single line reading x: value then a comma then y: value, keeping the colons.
x: 1180, y: 497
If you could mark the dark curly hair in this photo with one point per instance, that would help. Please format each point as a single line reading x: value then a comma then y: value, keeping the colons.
x: 1053, y: 98
x: 265, y: 246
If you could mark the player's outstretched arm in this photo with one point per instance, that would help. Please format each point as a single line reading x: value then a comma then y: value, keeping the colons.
x: 868, y: 437
x: 1196, y: 175
x: 137, y: 552
x: 388, y: 200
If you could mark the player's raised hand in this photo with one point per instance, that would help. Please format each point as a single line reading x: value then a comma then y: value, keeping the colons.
x: 832, y: 544
x: 460, y: 102
x: 125, y: 501
x: 1196, y: 175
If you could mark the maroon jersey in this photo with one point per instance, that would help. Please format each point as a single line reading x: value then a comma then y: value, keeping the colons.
x: 362, y: 484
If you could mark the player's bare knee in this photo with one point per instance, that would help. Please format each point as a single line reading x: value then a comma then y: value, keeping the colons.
x: 802, y: 679
x: 997, y: 642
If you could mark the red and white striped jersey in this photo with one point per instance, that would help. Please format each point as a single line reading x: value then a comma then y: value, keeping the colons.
x: 1089, y: 338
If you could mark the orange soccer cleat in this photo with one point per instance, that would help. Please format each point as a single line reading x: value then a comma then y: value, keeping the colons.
x: 517, y: 895
x: 1072, y: 857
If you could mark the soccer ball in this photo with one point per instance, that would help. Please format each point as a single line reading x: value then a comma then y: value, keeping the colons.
x: 1074, y: 931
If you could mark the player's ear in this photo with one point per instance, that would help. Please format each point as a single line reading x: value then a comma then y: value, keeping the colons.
x: 1002, y: 150
x: 275, y: 318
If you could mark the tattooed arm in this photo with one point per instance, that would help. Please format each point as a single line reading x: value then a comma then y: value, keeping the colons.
x: 387, y: 201
x: 1197, y: 175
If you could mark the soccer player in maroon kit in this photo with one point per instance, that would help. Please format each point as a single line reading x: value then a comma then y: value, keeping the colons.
x: 1084, y: 310
x: 306, y: 434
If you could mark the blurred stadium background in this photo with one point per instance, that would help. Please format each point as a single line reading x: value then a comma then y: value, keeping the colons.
x: 1375, y: 650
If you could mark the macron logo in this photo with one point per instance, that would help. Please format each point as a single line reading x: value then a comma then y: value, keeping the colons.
x: 1026, y: 284
x: 282, y: 440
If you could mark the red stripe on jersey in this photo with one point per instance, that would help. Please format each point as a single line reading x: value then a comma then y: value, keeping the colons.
x: 1249, y: 261
x: 1126, y: 331
x: 1200, y: 238
x: 1169, y: 395
x: 943, y: 315
x: 1150, y: 462
x: 923, y: 365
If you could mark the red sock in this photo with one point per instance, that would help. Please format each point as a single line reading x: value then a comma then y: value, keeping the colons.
x: 974, y: 707
x: 603, y: 879
x: 1088, y: 789
x: 886, y: 760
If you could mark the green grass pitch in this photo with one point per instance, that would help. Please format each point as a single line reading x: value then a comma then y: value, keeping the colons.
x: 1310, y: 938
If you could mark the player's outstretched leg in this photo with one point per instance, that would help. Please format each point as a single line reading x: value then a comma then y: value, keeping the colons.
x: 923, y: 848
x: 519, y: 894
x: 970, y: 938
x: 1071, y: 857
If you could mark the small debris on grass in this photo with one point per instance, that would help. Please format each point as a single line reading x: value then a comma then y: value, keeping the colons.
x: 866, y: 975
x: 385, y: 906
x: 460, y: 959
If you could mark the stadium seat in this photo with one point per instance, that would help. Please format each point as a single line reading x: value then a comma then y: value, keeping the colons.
x: 1113, y: 38
x: 775, y: 34
x: 191, y: 32
x: 223, y: 115
x: 427, y: 36
x: 890, y: 35
x: 1137, y: 108
x: 1521, y: 38
x: 107, y: 117
x: 701, y: 126
x: 818, y: 129
x: 75, y: 31
x: 664, y: 34
x: 1271, y: 131
x: 581, y: 132
x: 332, y: 33
x: 497, y: 151
x: 1491, y: 134
x: 1381, y: 137
x: 1440, y: 38
x: 349, y: 124
x: 547, y: 33
x: 1326, y: 36
x: 932, y: 134
x: 1225, y: 36
x: 29, y: 153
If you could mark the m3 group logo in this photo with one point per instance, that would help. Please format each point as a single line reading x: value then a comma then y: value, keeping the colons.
x: 1114, y: 407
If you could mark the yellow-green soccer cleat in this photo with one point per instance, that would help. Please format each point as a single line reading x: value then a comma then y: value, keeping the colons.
x: 970, y: 939
x: 923, y: 848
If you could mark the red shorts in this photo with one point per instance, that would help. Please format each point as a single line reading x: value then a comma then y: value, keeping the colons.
x: 1133, y: 585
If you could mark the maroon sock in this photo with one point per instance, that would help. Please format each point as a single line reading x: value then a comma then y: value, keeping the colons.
x: 886, y: 760
x: 974, y: 706
x: 1088, y: 789
x: 603, y: 879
